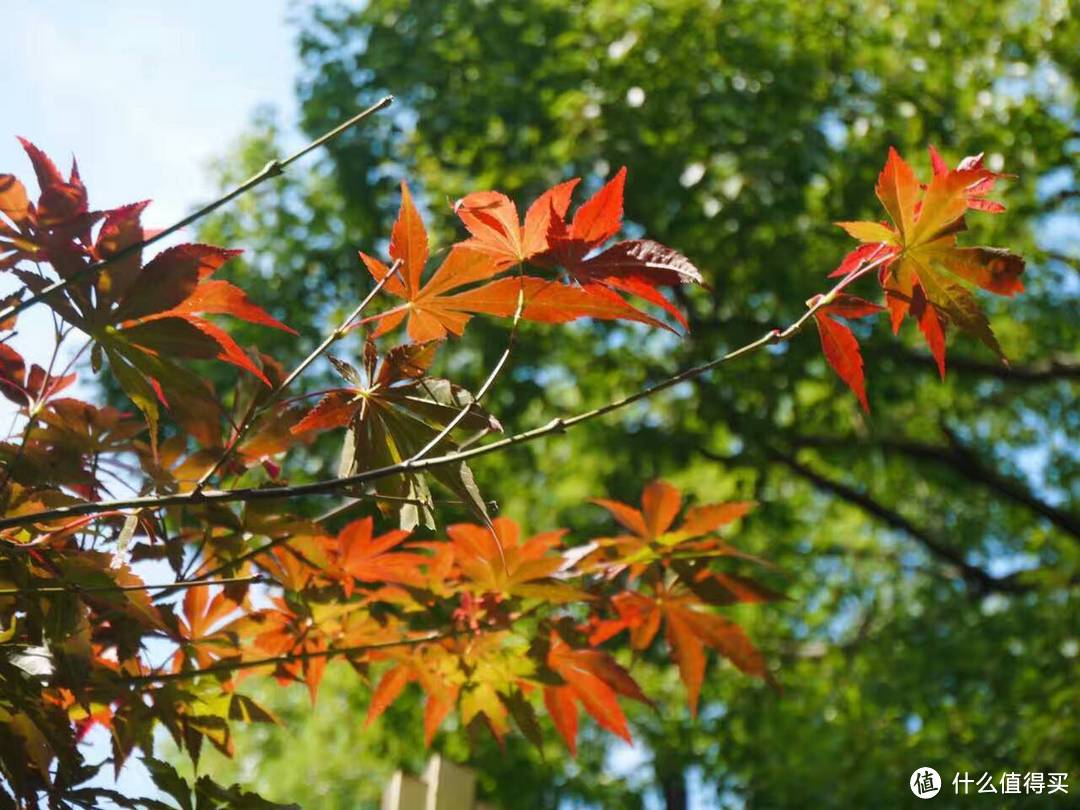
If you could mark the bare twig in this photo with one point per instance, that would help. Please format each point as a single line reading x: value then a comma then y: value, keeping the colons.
x: 327, y: 486
x: 484, y: 388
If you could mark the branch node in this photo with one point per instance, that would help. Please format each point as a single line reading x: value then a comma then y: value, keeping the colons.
x: 273, y: 168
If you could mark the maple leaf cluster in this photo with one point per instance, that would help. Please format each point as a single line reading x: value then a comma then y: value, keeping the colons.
x: 499, y: 242
x: 632, y: 583
x: 394, y: 410
x: 920, y: 267
x: 471, y: 617
x: 140, y: 317
x: 487, y: 622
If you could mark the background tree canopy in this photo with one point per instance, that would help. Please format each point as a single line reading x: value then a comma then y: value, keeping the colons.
x: 931, y: 550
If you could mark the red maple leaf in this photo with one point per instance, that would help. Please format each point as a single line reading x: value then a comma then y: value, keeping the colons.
x: 447, y: 301
x: 839, y: 344
x: 141, y: 317
x: 26, y: 387
x: 546, y: 239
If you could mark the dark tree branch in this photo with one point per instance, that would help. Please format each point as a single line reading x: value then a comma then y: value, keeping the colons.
x: 981, y: 580
x: 1050, y: 370
x: 963, y: 460
x: 1061, y: 197
x: 1064, y: 258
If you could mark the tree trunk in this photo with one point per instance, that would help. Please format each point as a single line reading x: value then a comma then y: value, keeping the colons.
x: 673, y: 785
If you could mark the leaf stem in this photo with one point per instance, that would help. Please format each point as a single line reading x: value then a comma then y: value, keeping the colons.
x: 256, y: 408
x: 484, y: 388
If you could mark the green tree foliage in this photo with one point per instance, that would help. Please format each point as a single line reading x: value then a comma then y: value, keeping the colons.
x: 931, y: 548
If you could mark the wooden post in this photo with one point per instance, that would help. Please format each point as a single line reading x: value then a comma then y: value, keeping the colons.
x: 444, y: 786
x: 404, y: 792
x: 450, y: 786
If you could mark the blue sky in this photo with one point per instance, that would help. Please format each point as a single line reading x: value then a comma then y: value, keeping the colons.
x: 144, y: 93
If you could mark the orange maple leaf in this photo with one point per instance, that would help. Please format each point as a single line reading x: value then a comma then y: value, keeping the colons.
x: 689, y: 628
x: 652, y: 537
x: 594, y: 679
x: 495, y: 560
x: 362, y: 557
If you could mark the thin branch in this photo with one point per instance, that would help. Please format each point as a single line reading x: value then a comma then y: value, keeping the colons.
x: 332, y: 485
x: 975, y: 576
x: 194, y: 559
x: 459, y: 417
x: 327, y: 486
x: 257, y: 408
x: 358, y: 499
x: 75, y: 358
x: 289, y: 658
x: 271, y: 169
x: 79, y: 589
